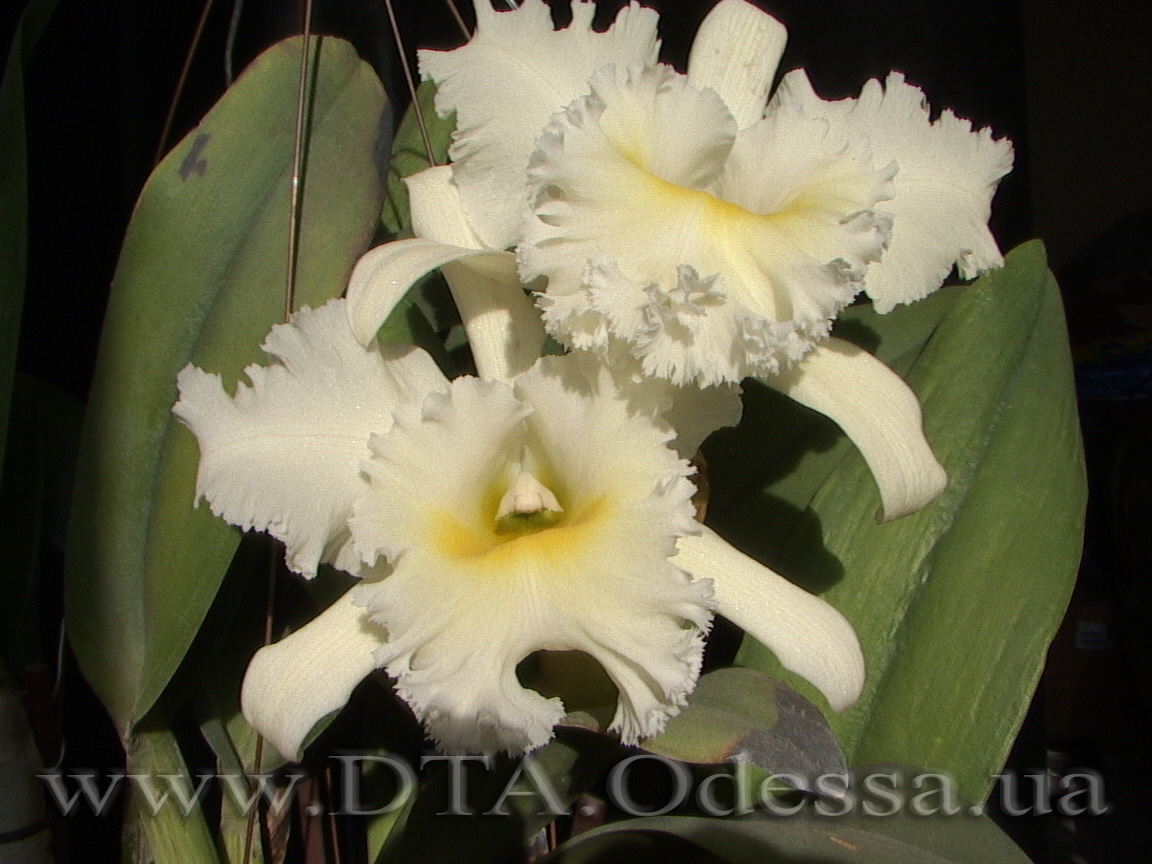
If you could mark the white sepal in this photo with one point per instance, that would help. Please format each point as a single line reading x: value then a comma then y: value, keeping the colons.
x: 384, y: 275
x: 807, y: 635
x: 881, y: 415
x: 504, y: 329
x: 292, y: 684
x: 736, y: 52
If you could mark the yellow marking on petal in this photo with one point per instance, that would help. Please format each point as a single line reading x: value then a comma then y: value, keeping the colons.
x: 717, y: 211
x: 489, y: 549
x: 725, y: 230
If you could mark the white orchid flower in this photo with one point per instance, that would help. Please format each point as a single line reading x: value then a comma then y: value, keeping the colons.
x: 488, y: 520
x: 718, y: 237
x: 677, y: 220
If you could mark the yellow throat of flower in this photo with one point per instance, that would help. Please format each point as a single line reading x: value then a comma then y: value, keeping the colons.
x: 529, y: 523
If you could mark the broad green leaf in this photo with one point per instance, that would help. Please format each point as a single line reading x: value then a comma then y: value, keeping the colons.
x: 955, y: 605
x: 201, y: 279
x: 163, y: 834
x: 743, y: 714
x: 852, y: 838
x: 14, y: 195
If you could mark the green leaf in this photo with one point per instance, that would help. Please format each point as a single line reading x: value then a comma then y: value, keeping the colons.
x: 742, y: 713
x: 201, y: 279
x: 410, y: 155
x: 14, y: 194
x: 955, y: 605
x: 853, y: 838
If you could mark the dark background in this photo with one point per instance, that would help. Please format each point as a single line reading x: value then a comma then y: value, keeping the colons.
x: 1070, y: 83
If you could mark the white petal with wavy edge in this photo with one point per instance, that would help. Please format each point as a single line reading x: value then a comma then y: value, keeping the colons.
x: 385, y: 274
x: 472, y: 595
x: 697, y: 412
x: 292, y: 684
x: 715, y: 256
x: 806, y: 634
x: 504, y: 329
x: 943, y: 189
x: 881, y: 415
x: 513, y: 74
x: 736, y: 51
x: 284, y: 454
x: 693, y: 412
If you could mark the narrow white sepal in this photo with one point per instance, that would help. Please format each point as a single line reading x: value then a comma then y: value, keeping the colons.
x: 807, y: 635
x: 384, y: 275
x: 504, y: 328
x: 292, y: 684
x: 881, y: 415
x: 735, y: 53
x: 436, y: 210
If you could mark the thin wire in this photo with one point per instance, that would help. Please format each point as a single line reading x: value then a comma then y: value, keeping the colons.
x: 297, y: 164
x: 57, y: 686
x: 411, y: 84
x: 459, y: 19
x: 230, y: 41
x: 258, y: 756
x: 331, y: 815
x: 161, y: 145
x: 289, y: 302
x: 60, y: 643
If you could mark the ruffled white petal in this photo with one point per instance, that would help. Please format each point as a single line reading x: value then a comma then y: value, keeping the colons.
x: 806, y: 634
x: 693, y: 412
x: 384, y: 275
x: 881, y: 415
x: 697, y: 412
x: 292, y: 684
x: 467, y: 600
x: 504, y: 329
x: 943, y: 189
x: 716, y: 258
x: 504, y: 85
x: 736, y: 51
x: 284, y: 454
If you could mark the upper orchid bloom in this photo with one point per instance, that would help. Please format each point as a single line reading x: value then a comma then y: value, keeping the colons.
x: 678, y: 220
x: 718, y: 237
x: 488, y: 520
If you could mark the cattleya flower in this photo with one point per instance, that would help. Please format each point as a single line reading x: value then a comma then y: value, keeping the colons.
x: 487, y: 519
x: 688, y: 220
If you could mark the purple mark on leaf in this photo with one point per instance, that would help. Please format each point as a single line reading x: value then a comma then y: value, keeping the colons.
x: 194, y: 163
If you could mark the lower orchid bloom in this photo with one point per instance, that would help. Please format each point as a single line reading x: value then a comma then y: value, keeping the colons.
x: 488, y: 520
